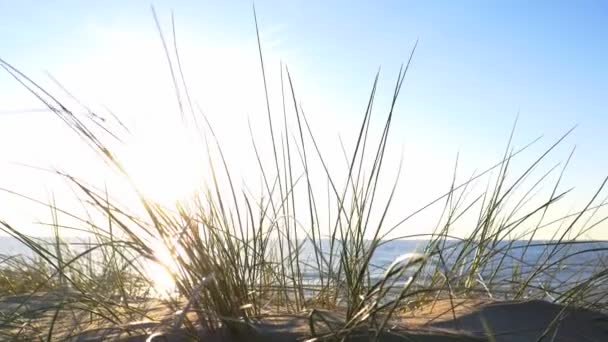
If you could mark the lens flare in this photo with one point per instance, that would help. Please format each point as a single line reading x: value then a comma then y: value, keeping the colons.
x: 160, y: 272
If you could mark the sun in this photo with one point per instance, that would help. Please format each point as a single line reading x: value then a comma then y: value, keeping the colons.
x: 164, y: 164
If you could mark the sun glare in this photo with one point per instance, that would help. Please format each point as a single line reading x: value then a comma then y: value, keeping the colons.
x: 163, y: 164
x: 160, y: 272
x: 162, y: 280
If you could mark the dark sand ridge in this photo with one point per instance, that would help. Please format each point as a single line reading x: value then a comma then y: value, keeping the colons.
x: 506, y: 321
x: 443, y: 320
x: 530, y: 321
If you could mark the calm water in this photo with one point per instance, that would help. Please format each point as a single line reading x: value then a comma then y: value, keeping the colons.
x: 570, y: 263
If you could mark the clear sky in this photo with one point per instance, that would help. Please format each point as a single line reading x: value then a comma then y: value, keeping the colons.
x: 478, y: 63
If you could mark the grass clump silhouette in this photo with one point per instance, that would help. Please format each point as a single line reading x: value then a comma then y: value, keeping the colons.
x: 236, y: 256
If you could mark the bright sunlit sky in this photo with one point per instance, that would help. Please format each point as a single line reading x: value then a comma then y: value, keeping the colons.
x: 476, y: 66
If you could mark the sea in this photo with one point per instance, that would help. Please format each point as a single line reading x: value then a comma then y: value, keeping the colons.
x: 547, y: 266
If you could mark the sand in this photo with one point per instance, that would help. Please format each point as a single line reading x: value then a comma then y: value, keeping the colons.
x: 441, y: 321
x: 533, y: 320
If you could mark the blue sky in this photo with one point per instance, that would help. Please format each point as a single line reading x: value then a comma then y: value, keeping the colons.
x: 477, y: 65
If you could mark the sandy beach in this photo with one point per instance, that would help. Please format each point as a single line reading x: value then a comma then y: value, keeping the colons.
x: 442, y: 320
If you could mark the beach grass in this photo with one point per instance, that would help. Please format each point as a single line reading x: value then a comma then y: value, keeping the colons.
x: 235, y: 256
